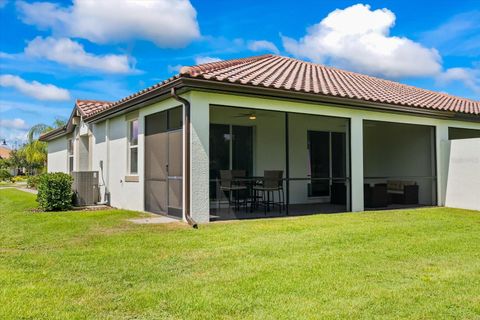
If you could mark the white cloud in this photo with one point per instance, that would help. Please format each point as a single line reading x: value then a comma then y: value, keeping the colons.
x: 35, y: 109
x: 263, y: 45
x: 167, y: 23
x: 202, y: 60
x: 469, y: 77
x: 3, y: 3
x: 16, y: 124
x: 71, y: 53
x: 458, y: 36
x: 13, y: 129
x: 357, y: 38
x: 174, y: 68
x: 34, y: 89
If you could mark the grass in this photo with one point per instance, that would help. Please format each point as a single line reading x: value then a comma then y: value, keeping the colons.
x: 418, y: 264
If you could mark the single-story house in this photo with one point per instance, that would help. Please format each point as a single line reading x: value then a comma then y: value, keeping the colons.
x: 265, y: 135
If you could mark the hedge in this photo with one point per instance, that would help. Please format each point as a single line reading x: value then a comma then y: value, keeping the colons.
x: 55, y: 191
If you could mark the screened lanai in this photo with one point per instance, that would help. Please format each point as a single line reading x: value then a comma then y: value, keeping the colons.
x: 269, y: 163
x: 399, y: 165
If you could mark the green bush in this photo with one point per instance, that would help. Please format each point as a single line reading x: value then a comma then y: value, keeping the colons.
x: 17, y: 179
x: 5, y: 175
x: 55, y: 191
x: 32, y: 181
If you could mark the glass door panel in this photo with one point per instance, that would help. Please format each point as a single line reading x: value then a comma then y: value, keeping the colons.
x: 319, y: 156
x: 242, y: 149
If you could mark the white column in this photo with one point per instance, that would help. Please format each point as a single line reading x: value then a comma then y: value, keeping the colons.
x: 356, y: 142
x: 199, y: 153
x: 443, y: 155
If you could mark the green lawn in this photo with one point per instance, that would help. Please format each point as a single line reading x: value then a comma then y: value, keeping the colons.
x: 420, y: 264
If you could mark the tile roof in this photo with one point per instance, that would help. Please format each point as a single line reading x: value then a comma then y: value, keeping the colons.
x: 4, y: 153
x: 89, y: 107
x: 288, y: 74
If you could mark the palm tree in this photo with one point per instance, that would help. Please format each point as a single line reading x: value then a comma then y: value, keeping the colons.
x: 35, y: 151
x: 41, y: 128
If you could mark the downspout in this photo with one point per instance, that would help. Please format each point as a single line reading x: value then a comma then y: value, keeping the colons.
x: 186, y: 152
x: 107, y: 166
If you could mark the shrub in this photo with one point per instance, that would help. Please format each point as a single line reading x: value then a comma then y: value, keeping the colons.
x: 55, y: 191
x: 32, y: 181
x: 17, y: 179
x: 5, y: 175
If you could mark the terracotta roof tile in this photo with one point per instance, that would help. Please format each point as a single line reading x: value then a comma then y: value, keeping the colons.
x: 277, y: 72
x: 89, y: 107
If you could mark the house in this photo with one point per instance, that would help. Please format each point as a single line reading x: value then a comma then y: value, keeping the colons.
x: 4, y: 152
x: 199, y: 145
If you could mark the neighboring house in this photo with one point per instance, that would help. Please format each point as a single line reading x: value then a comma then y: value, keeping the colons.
x: 340, y: 140
x: 4, y: 152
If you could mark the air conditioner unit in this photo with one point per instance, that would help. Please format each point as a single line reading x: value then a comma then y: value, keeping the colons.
x: 85, y: 188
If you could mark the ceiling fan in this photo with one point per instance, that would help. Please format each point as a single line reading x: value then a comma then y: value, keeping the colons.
x: 251, y: 115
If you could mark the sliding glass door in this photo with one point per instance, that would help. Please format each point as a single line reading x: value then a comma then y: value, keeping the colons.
x: 231, y: 148
x: 327, y: 161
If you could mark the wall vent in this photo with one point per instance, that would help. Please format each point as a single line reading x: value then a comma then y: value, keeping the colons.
x: 85, y: 188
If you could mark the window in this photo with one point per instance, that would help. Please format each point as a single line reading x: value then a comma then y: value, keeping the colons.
x: 70, y: 154
x: 133, y: 147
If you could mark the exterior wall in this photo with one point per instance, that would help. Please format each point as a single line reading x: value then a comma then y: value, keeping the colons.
x: 200, y: 132
x: 57, y: 160
x: 83, y: 153
x: 99, y: 153
x: 463, y: 187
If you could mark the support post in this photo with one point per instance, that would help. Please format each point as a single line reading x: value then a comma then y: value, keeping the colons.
x: 287, y: 165
x: 356, y: 147
x: 442, y: 147
x: 199, y: 158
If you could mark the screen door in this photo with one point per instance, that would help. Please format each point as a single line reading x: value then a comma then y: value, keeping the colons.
x: 164, y: 163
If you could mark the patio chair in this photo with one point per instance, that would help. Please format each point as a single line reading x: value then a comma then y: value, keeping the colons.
x: 272, y: 182
x: 375, y: 196
x: 236, y: 191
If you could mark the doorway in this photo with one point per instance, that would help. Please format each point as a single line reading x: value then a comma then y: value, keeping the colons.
x: 164, y: 162
x: 231, y: 148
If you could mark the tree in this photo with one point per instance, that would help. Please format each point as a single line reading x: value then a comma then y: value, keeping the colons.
x: 35, y: 151
x: 17, y: 160
x: 37, y: 130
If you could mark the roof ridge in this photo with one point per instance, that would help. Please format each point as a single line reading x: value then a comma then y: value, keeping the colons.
x: 212, y: 66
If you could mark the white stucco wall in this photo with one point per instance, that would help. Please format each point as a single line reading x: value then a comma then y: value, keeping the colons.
x: 57, y: 155
x: 463, y: 187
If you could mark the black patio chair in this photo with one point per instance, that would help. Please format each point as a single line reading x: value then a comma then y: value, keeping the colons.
x: 272, y: 182
x: 236, y: 191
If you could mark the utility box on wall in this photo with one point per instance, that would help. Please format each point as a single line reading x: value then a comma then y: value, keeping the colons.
x: 85, y: 188
x: 463, y: 185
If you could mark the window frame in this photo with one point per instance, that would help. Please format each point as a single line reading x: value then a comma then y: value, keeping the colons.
x: 131, y: 146
x: 70, y: 156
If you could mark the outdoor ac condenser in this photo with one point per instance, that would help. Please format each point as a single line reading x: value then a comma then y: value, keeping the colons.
x: 85, y: 188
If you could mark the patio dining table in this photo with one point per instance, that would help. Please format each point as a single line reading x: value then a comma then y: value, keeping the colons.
x: 250, y: 182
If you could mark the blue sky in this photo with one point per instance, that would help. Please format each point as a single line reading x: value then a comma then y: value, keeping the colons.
x: 55, y: 52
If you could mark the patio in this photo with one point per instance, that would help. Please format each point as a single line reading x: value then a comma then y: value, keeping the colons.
x: 310, y: 155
